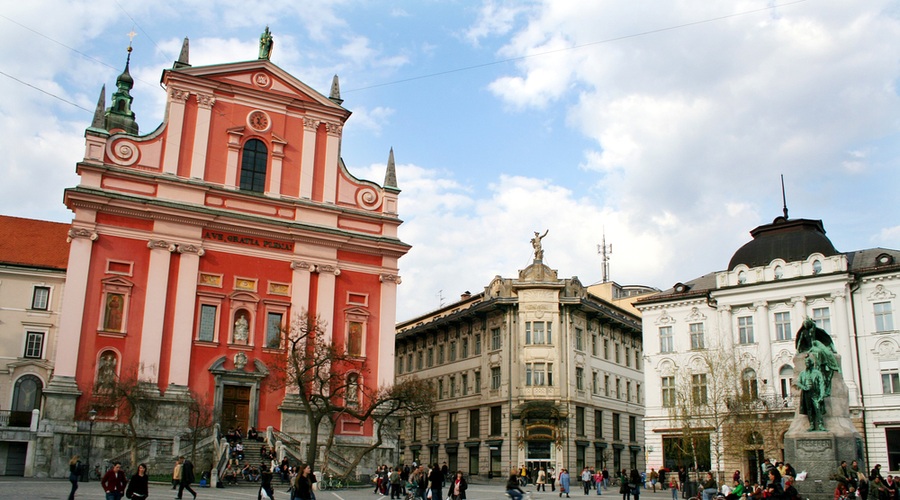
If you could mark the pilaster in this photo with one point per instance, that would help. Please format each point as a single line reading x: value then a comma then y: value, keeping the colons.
x: 332, y: 158
x: 174, y: 129
x: 308, y: 161
x: 388, y: 320
x: 183, y: 324
x: 154, y: 309
x: 205, y: 103
x: 325, y: 297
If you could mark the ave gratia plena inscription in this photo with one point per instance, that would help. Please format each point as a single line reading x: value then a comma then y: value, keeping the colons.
x: 252, y: 241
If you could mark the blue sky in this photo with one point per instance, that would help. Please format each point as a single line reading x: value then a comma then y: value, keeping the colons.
x: 665, y: 125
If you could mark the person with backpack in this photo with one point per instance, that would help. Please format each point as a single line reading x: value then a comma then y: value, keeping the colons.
x: 76, y: 469
x: 394, y: 480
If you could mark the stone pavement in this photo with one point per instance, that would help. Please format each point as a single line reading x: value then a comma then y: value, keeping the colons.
x: 58, y: 489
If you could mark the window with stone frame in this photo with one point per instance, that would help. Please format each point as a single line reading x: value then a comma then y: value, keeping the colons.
x: 40, y: 298
x: 668, y: 391
x: 697, y: 338
x: 783, y: 326
x: 666, y: 339
x: 745, y: 330
x: 884, y: 320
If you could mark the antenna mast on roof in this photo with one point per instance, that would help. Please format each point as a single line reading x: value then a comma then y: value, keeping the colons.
x: 783, y: 198
x: 605, y: 251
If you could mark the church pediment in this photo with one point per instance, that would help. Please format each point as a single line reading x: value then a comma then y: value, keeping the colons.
x: 258, y: 75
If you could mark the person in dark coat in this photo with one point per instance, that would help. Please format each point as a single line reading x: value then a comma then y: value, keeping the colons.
x: 187, y: 477
x: 114, y: 482
x: 458, y: 487
x: 138, y: 487
x: 265, y: 482
x: 302, y: 485
x: 75, y: 469
x: 436, y: 482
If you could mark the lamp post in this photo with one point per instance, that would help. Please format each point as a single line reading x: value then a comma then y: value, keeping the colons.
x: 93, y: 415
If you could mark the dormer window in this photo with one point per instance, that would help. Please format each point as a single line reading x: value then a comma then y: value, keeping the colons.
x: 742, y: 277
x: 817, y: 266
x: 884, y: 259
x: 779, y: 272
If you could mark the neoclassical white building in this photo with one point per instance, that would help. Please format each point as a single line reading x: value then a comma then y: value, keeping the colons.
x: 751, y: 311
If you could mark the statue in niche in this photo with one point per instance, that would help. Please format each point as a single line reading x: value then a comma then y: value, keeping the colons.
x: 241, y: 330
x: 814, y: 381
x: 112, y: 318
x: 536, y: 244
x: 265, y: 45
x: 106, y: 370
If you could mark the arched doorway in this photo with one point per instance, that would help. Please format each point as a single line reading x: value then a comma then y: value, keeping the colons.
x: 754, y: 455
x: 26, y: 397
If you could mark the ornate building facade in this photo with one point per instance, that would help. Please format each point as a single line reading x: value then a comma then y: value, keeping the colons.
x: 725, y: 342
x: 533, y: 370
x: 194, y: 246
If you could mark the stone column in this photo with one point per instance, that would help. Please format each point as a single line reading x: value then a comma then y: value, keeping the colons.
x: 332, y: 153
x: 764, y: 340
x: 388, y: 317
x: 201, y: 135
x: 308, y: 160
x: 183, y: 324
x: 174, y: 128
x: 154, y: 309
x: 325, y: 297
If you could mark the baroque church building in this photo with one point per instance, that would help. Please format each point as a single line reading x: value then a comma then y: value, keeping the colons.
x: 194, y: 246
x: 720, y: 350
x: 534, y: 371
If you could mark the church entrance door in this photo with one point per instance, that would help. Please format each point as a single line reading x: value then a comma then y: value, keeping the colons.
x: 235, y: 407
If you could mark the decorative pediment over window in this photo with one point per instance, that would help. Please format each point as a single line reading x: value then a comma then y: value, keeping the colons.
x: 665, y: 319
x: 881, y: 293
x: 695, y: 316
x: 356, y: 321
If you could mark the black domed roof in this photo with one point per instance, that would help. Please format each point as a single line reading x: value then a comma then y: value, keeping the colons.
x: 790, y: 240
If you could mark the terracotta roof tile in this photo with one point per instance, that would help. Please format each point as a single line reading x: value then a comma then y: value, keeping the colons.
x: 33, y: 243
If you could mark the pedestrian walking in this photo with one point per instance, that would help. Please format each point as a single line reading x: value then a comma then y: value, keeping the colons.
x: 114, y: 482
x: 76, y: 468
x: 187, y: 477
x: 139, y: 487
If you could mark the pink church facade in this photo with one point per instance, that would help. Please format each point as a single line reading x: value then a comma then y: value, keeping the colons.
x: 193, y: 246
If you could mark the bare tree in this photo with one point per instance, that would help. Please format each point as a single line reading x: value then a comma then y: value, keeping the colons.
x: 199, y: 420
x: 126, y: 397
x: 330, y: 389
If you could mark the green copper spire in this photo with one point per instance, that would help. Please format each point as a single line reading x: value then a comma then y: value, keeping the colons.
x: 119, y: 115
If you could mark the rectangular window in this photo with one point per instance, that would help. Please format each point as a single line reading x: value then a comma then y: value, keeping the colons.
x: 465, y: 384
x: 415, y: 428
x: 892, y: 436
x: 579, y: 339
x: 420, y: 357
x: 538, y: 374
x: 890, y: 381
x: 745, y: 330
x: 698, y: 388
x: 477, y: 382
x: 616, y: 351
x: 434, y: 427
x: 628, y: 357
x: 666, y: 340
x: 783, y: 326
x: 477, y: 344
x: 632, y: 428
x: 495, y: 378
x: 537, y: 332
x: 628, y: 390
x: 697, y: 341
x: 206, y: 330
x: 453, y: 421
x: 452, y: 387
x: 598, y: 424
x: 606, y: 349
x: 606, y: 385
x: 273, y: 332
x: 496, y: 420
x: 440, y: 390
x: 595, y: 345
x: 618, y: 388
x: 637, y: 359
x: 579, y: 420
x: 40, y: 298
x: 579, y: 378
x: 34, y: 345
x: 668, y: 392
x: 452, y: 351
x: 616, y: 427
x: 822, y: 317
x: 474, y: 423
x: 440, y: 359
x: 399, y: 364
x: 430, y: 357
x: 465, y: 348
x: 884, y: 321
x: 409, y: 362
x: 595, y: 383
x: 495, y: 339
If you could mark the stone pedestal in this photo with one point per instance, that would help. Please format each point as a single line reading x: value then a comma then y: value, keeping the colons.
x: 819, y: 453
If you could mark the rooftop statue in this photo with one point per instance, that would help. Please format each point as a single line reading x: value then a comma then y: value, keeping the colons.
x: 536, y: 243
x: 815, y: 381
x: 265, y: 45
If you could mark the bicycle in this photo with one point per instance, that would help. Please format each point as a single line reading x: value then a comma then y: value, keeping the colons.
x: 332, y: 483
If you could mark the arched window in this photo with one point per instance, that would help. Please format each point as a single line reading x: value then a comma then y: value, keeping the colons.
x: 27, y: 394
x: 754, y: 438
x: 253, y: 166
x: 786, y: 377
x: 749, y: 387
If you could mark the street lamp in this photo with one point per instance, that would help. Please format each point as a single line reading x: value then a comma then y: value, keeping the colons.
x: 93, y: 415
